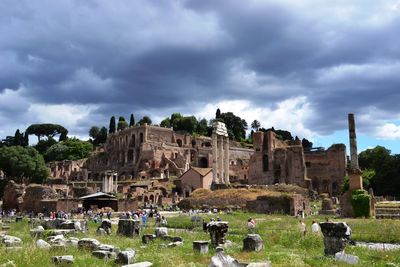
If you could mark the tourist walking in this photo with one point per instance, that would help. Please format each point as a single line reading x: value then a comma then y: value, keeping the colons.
x: 303, y: 227
x: 144, y: 219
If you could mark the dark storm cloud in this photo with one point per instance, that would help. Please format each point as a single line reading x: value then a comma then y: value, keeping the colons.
x: 157, y: 57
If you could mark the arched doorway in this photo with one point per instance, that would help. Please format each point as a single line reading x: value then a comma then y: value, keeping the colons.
x: 203, y: 162
x: 179, y: 142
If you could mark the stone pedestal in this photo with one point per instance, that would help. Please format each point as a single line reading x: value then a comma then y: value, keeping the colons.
x: 217, y: 232
x: 106, y: 225
x: 355, y: 179
x: 253, y: 242
x: 129, y: 228
x: 200, y: 246
x: 334, y: 237
x: 161, y: 231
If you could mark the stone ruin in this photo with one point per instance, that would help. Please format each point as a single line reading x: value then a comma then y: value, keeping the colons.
x: 220, y: 153
x: 128, y: 227
x: 334, y: 237
x: 217, y: 232
x: 13, y: 195
x: 26, y: 198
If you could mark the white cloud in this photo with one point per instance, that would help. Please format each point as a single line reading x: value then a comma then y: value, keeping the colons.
x: 388, y: 131
x: 290, y: 114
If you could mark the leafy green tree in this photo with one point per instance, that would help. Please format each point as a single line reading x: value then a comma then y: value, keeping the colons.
x: 255, y: 125
x: 202, y: 127
x: 98, y: 136
x: 102, y: 136
x: 57, y: 152
x: 45, y: 144
x: 166, y: 123
x: 145, y: 119
x: 132, y: 121
x: 71, y: 149
x: 306, y: 144
x: 235, y: 125
x: 23, y: 164
x: 122, y: 124
x: 46, y: 129
x: 385, y: 178
x: 94, y: 132
x: 112, y: 127
x: 280, y: 134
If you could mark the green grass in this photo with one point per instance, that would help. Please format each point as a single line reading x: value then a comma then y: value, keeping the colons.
x: 284, y: 244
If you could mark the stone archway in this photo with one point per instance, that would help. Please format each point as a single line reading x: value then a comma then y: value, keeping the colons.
x: 203, y: 162
x: 179, y: 142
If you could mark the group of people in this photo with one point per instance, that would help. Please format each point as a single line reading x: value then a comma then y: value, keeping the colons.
x: 315, y: 229
x: 143, y: 215
x: 10, y: 213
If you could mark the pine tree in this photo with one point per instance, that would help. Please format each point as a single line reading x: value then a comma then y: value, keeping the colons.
x: 111, y: 128
x: 132, y: 121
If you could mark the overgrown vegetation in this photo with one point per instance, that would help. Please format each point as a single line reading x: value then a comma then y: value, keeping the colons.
x: 381, y: 171
x: 361, y: 203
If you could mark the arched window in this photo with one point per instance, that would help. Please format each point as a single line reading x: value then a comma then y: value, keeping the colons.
x: 203, y: 162
x: 141, y: 137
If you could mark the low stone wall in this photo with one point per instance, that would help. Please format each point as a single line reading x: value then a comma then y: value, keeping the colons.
x: 285, y: 204
x: 59, y: 205
x: 127, y: 204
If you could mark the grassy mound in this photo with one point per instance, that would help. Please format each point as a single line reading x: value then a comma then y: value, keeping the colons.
x: 224, y: 198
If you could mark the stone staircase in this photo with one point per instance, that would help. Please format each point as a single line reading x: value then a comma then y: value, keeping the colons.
x: 387, y: 210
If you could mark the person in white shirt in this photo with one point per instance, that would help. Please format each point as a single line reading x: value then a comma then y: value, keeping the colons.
x: 315, y: 227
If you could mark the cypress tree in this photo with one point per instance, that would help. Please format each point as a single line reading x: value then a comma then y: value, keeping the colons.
x: 17, y: 138
x: 218, y: 114
x: 132, y: 121
x: 111, y: 128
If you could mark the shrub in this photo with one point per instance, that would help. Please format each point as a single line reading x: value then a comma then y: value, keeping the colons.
x: 360, y: 200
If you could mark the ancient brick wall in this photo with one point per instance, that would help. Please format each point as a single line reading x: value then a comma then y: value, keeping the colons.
x: 327, y: 168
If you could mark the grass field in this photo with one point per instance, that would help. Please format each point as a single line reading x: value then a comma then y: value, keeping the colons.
x: 284, y: 243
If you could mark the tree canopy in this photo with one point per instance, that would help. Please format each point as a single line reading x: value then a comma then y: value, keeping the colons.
x: 381, y: 170
x: 145, y: 119
x: 46, y: 129
x: 122, y: 124
x: 235, y: 125
x: 23, y: 164
x: 98, y: 135
x: 71, y: 149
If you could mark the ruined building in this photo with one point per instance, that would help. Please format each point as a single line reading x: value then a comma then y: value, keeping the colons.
x: 144, y: 152
x: 277, y: 161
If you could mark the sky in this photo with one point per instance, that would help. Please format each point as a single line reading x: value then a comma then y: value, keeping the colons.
x: 297, y: 65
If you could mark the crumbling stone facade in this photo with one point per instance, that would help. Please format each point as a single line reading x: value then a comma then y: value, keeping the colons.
x: 276, y: 161
x: 326, y: 168
x: 144, y: 152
